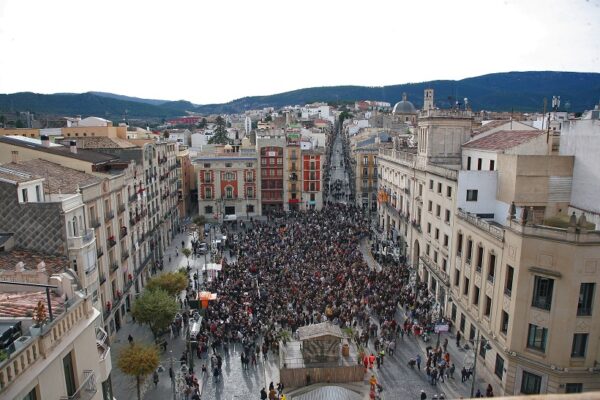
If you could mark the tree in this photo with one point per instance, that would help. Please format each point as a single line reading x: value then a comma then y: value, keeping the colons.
x: 171, y: 282
x: 220, y: 136
x: 344, y: 115
x: 157, y: 308
x: 166, y: 134
x: 187, y: 253
x: 19, y: 124
x: 138, y: 361
x: 203, y: 123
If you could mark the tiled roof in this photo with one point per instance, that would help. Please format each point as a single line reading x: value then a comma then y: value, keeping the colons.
x: 31, y: 259
x: 15, y: 176
x: 93, y: 157
x: 59, y: 179
x: 23, y: 304
x: 502, y: 140
x: 100, y: 142
x: 490, y: 125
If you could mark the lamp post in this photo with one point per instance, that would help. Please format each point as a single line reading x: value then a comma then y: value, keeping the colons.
x: 475, y: 347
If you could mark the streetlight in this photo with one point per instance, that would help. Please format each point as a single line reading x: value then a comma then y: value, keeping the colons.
x: 475, y: 347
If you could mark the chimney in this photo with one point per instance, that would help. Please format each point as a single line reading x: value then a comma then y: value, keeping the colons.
x: 45, y: 140
x: 15, y: 156
x: 73, y: 146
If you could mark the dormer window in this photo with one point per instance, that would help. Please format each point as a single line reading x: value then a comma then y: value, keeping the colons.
x: 24, y: 195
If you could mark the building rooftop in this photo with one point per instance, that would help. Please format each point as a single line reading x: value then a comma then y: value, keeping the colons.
x: 93, y: 157
x: 59, y: 179
x: 101, y: 142
x: 23, y: 304
x: 318, y: 330
x: 502, y: 140
x: 31, y: 260
x: 11, y: 175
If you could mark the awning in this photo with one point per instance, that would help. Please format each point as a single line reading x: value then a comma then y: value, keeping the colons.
x: 292, y: 201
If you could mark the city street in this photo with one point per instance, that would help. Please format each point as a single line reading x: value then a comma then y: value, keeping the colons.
x: 338, y: 175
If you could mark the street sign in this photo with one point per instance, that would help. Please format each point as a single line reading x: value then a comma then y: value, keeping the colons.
x: 441, y: 328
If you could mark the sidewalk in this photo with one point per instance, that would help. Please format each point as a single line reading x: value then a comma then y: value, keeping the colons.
x: 124, y: 386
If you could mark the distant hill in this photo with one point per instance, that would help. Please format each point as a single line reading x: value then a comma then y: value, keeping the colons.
x: 84, y: 104
x: 521, y: 91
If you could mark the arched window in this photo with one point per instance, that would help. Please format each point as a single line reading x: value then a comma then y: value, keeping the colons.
x: 74, y: 226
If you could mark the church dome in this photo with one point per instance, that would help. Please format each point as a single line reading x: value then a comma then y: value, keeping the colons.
x: 404, y: 106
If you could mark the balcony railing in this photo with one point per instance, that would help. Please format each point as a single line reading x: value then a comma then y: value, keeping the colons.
x: 482, y: 224
x: 124, y: 255
x: 110, y: 243
x: 102, y: 279
x: 95, y: 223
x: 123, y: 232
x: 99, y: 252
x: 121, y: 208
x: 133, y: 198
x: 114, y: 266
x: 109, y: 215
x: 86, y: 390
x: 80, y: 241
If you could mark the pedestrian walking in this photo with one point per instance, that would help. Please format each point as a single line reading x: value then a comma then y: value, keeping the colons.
x: 130, y: 339
x: 418, y: 360
x: 423, y: 395
x: 155, y: 378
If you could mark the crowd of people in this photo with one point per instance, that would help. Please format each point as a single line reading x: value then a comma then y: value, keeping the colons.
x: 299, y: 268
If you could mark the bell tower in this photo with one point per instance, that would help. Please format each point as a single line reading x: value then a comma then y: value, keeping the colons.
x: 428, y: 99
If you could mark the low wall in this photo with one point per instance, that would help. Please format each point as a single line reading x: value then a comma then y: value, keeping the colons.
x: 296, y: 377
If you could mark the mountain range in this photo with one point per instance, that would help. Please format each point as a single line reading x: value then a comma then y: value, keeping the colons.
x: 518, y: 91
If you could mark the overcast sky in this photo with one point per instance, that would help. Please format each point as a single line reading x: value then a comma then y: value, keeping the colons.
x: 215, y: 51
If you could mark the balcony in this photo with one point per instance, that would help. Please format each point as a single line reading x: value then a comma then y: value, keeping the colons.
x: 77, y: 242
x: 124, y: 255
x: 104, y: 355
x: 109, y: 215
x: 114, y: 266
x: 489, y: 227
x: 87, y: 390
x: 102, y: 279
x: 95, y: 223
x: 133, y: 198
x: 123, y: 232
x: 111, y: 242
x: 436, y: 270
x: 99, y: 252
x: 121, y: 208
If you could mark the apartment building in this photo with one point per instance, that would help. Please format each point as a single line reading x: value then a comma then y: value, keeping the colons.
x: 312, y: 179
x: 417, y: 194
x: 227, y: 184
x: 185, y: 175
x: 68, y: 356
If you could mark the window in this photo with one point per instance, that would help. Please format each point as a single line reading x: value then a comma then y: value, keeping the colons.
x: 492, y: 267
x: 435, y: 256
x: 430, y: 206
x: 504, y: 322
x: 38, y: 195
x: 207, y: 176
x: 206, y: 165
x: 586, y: 299
x: 249, y: 165
x: 439, y: 188
x: 462, y: 322
x: 437, y: 233
x: 542, y: 292
x: 449, y: 191
x: 531, y: 383
x: 466, y: 287
x: 438, y: 210
x: 488, y: 306
x: 429, y: 227
x: 208, y: 193
x: 468, y: 163
x: 208, y: 210
x: 510, y: 273
x: 459, y: 244
x: 574, y: 388
x: 447, y: 216
x: 472, y: 333
x: 228, y: 165
x: 444, y: 264
x: 479, y: 262
x: 491, y: 165
x: 469, y: 251
x: 476, y: 296
x: 24, y: 194
x: 431, y: 184
x: 249, y: 176
x: 249, y: 208
x: 536, y: 338
x: 229, y: 192
x: 250, y: 193
x: 69, y: 374
x: 579, y: 345
x: 479, y: 162
x: 472, y: 195
x: 456, y: 277
x: 446, y: 239
x: 499, y: 368
x: 453, y: 313
x: 427, y: 249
